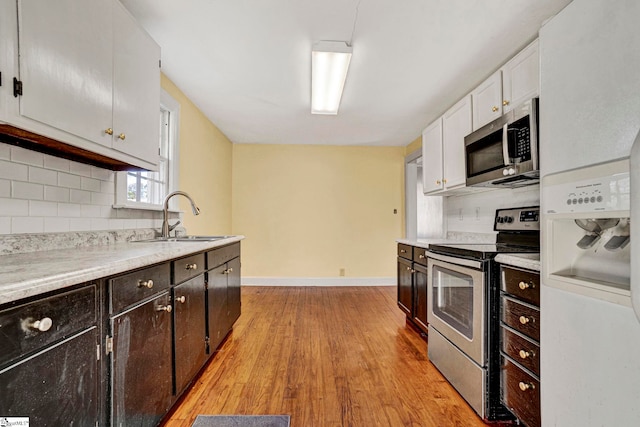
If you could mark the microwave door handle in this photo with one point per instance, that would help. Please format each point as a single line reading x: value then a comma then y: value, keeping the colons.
x: 505, y: 145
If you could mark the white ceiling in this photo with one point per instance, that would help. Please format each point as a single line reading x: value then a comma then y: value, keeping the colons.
x: 247, y: 63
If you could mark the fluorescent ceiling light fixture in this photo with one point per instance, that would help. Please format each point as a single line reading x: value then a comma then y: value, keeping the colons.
x: 329, y: 65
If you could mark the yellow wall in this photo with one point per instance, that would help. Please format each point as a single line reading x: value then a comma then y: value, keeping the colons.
x: 308, y: 211
x: 413, y: 146
x: 205, y: 156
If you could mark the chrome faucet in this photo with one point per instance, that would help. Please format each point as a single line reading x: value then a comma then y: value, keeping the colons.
x: 165, y: 212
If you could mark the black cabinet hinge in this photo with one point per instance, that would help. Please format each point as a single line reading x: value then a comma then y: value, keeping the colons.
x: 17, y: 87
x: 0, y: 78
x: 159, y: 63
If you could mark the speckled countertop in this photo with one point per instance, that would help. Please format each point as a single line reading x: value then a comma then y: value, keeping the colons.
x: 452, y: 237
x: 24, y: 275
x: 528, y: 261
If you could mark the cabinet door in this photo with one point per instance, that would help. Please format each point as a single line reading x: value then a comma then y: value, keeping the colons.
x: 432, y: 158
x: 66, y: 65
x: 521, y: 77
x: 189, y: 330
x: 456, y: 124
x: 141, y: 372
x: 420, y: 296
x: 405, y: 286
x: 136, y: 88
x: 217, y: 306
x: 233, y: 292
x: 56, y: 387
x: 487, y: 101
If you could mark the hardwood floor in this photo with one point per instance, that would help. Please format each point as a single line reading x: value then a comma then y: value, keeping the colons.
x: 327, y: 356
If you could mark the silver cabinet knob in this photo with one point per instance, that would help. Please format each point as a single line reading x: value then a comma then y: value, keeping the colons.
x: 181, y: 299
x: 230, y: 270
x: 524, y: 320
x: 524, y: 354
x: 526, y: 386
x: 193, y: 266
x: 41, y: 325
x: 166, y: 308
x: 145, y: 284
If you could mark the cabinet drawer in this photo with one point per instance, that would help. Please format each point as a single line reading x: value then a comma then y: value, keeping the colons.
x: 521, y: 349
x: 188, y: 267
x: 31, y: 326
x: 520, y: 393
x: 522, y: 284
x: 132, y: 287
x: 405, y: 251
x: 523, y: 318
x: 420, y: 255
x: 221, y: 255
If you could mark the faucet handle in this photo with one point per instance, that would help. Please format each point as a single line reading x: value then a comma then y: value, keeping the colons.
x: 171, y: 227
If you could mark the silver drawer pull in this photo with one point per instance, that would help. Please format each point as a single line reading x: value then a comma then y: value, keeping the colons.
x: 181, y: 299
x: 166, y: 308
x: 193, y: 266
x: 145, y: 284
x: 421, y: 256
x: 402, y: 251
x: 526, y: 386
x: 41, y: 325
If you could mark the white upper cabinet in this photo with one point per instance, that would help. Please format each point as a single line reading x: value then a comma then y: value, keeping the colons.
x: 432, y: 173
x: 136, y: 88
x: 487, y: 100
x: 443, y: 154
x: 90, y: 79
x: 521, y: 77
x: 66, y: 65
x: 456, y: 124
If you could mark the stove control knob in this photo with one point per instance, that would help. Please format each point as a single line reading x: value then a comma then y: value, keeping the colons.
x: 512, y: 171
x: 505, y: 172
x: 499, y: 219
x: 508, y: 219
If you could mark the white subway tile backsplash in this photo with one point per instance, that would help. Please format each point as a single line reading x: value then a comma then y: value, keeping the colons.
x: 90, y: 184
x: 102, y: 174
x: 15, y: 171
x: 79, y: 196
x: 99, y: 224
x: 29, y: 157
x: 5, y: 225
x: 27, y: 225
x: 56, y: 194
x: 90, y: 211
x: 5, y: 188
x: 56, y: 163
x: 42, y: 176
x: 102, y: 199
x: 5, y: 151
x: 27, y: 190
x: 80, y: 224
x: 42, y: 193
x: 80, y: 169
x: 107, y: 187
x: 13, y: 207
x: 56, y: 225
x: 68, y: 181
x: 40, y: 208
x: 69, y: 210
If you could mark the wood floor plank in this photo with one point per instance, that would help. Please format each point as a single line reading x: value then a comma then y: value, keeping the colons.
x: 326, y: 356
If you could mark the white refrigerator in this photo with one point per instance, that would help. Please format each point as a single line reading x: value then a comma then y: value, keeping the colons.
x: 589, y: 115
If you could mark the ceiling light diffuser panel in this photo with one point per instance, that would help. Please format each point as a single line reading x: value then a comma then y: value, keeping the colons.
x: 329, y: 66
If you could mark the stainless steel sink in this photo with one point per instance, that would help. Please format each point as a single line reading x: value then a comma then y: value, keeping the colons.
x: 185, y: 239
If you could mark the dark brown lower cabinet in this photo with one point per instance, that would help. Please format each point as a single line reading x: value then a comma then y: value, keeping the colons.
x: 141, y: 371
x: 405, y: 286
x: 233, y: 292
x: 223, y: 299
x: 420, y: 296
x: 412, y: 285
x: 58, y: 386
x: 190, y: 349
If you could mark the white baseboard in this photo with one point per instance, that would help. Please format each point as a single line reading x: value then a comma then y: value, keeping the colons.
x: 319, y: 281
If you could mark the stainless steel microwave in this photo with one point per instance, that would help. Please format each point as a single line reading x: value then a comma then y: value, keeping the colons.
x: 504, y: 153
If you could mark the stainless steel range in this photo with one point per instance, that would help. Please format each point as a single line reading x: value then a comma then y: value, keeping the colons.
x: 463, y: 286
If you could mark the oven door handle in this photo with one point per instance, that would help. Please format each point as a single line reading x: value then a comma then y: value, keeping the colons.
x: 454, y: 260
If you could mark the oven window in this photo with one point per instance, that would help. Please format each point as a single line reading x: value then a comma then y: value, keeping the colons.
x: 485, y: 155
x: 453, y: 299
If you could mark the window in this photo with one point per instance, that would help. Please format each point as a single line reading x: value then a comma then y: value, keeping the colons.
x: 146, y: 190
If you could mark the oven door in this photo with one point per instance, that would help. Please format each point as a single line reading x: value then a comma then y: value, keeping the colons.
x: 456, y: 306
